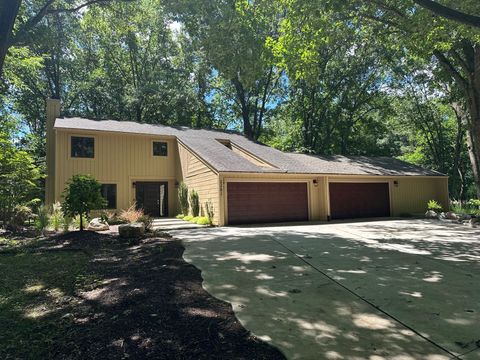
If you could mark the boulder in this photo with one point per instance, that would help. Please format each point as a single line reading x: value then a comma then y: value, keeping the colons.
x: 451, y: 216
x: 131, y: 230
x: 474, y: 222
x: 97, y: 224
x: 430, y: 214
x: 465, y: 217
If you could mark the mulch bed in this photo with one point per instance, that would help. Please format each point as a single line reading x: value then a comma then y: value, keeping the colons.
x: 142, y: 300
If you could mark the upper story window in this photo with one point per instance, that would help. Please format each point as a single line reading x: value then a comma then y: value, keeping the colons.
x: 83, y: 147
x: 109, y: 193
x: 160, y: 148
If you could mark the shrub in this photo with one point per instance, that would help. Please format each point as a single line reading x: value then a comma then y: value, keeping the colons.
x: 194, y: 203
x: 203, y: 220
x: 43, y: 217
x: 180, y: 216
x: 132, y: 214
x: 188, y: 218
x: 147, y: 221
x: 21, y: 214
x: 66, y: 223
x: 209, y: 210
x: 56, y: 218
x: 433, y: 205
x: 81, y: 195
x: 194, y: 219
x: 183, y: 198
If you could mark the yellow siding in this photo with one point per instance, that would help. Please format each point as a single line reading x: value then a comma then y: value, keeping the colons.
x: 412, y: 194
x: 119, y: 159
x: 199, y: 177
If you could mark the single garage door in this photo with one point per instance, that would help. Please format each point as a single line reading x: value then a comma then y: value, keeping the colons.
x: 261, y: 202
x: 359, y: 200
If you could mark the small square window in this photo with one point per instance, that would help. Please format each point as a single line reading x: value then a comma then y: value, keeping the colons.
x: 109, y: 193
x: 160, y: 148
x: 83, y: 147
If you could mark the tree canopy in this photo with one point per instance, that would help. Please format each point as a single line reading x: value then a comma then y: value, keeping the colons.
x: 358, y: 77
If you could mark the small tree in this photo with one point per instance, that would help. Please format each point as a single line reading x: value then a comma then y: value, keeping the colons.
x: 209, y: 210
x: 194, y: 203
x: 81, y: 195
x: 183, y: 198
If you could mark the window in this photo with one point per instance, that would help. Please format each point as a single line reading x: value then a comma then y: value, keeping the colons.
x: 83, y: 147
x: 160, y: 148
x: 109, y: 193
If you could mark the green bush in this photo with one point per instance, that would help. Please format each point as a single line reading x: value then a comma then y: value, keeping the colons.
x: 43, y: 218
x: 433, y: 205
x: 21, y: 214
x: 56, y: 217
x: 147, y: 221
x: 203, y: 220
x: 194, y: 219
x: 180, y: 216
x: 81, y: 195
x: 183, y: 198
x: 194, y: 203
x: 209, y: 210
x: 66, y: 223
x: 188, y: 218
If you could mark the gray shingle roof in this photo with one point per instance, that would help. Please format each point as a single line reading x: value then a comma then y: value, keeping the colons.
x: 204, y: 144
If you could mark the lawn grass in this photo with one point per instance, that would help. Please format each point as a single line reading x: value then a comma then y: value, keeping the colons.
x: 35, y: 291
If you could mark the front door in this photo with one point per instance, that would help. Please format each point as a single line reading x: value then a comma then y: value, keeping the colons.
x: 152, y: 197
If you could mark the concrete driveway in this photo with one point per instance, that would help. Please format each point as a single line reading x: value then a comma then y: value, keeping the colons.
x: 396, y: 289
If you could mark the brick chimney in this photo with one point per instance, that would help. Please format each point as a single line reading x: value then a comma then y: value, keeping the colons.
x: 53, y: 112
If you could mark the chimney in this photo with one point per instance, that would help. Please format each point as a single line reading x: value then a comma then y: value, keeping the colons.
x: 53, y: 112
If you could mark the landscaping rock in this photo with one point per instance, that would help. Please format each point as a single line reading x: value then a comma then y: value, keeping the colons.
x: 452, y: 216
x: 465, y: 217
x: 97, y: 224
x: 430, y: 214
x: 160, y: 233
x: 474, y: 222
x: 131, y: 230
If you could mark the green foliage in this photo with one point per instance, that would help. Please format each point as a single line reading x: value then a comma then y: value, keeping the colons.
x: 18, y: 173
x: 188, y: 218
x: 180, y: 216
x: 147, y: 222
x: 43, y: 218
x: 21, y: 214
x: 203, y: 220
x: 183, y: 198
x: 79, y: 221
x: 434, y: 205
x: 66, y: 223
x: 209, y: 209
x: 81, y: 195
x: 56, y: 216
x: 194, y: 203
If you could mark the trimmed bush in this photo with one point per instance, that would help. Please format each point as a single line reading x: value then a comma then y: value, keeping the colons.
x: 203, y: 220
x: 183, y: 198
x: 194, y: 203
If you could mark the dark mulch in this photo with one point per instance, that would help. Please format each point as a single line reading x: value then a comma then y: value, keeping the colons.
x: 142, y: 300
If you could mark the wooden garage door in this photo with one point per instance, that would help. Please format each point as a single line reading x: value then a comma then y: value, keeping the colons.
x: 359, y: 200
x: 261, y: 202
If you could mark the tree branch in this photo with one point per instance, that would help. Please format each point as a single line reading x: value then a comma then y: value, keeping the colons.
x: 449, y: 13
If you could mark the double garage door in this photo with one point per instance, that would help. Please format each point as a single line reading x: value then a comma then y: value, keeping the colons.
x: 263, y: 202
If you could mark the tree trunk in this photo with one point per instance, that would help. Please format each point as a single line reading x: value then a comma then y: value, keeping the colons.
x: 8, y: 13
x: 245, y: 108
x: 81, y: 222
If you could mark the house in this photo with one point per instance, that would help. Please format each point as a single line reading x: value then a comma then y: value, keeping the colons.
x: 246, y: 182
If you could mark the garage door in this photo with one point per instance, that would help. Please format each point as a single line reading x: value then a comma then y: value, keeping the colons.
x: 359, y: 200
x: 261, y: 202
